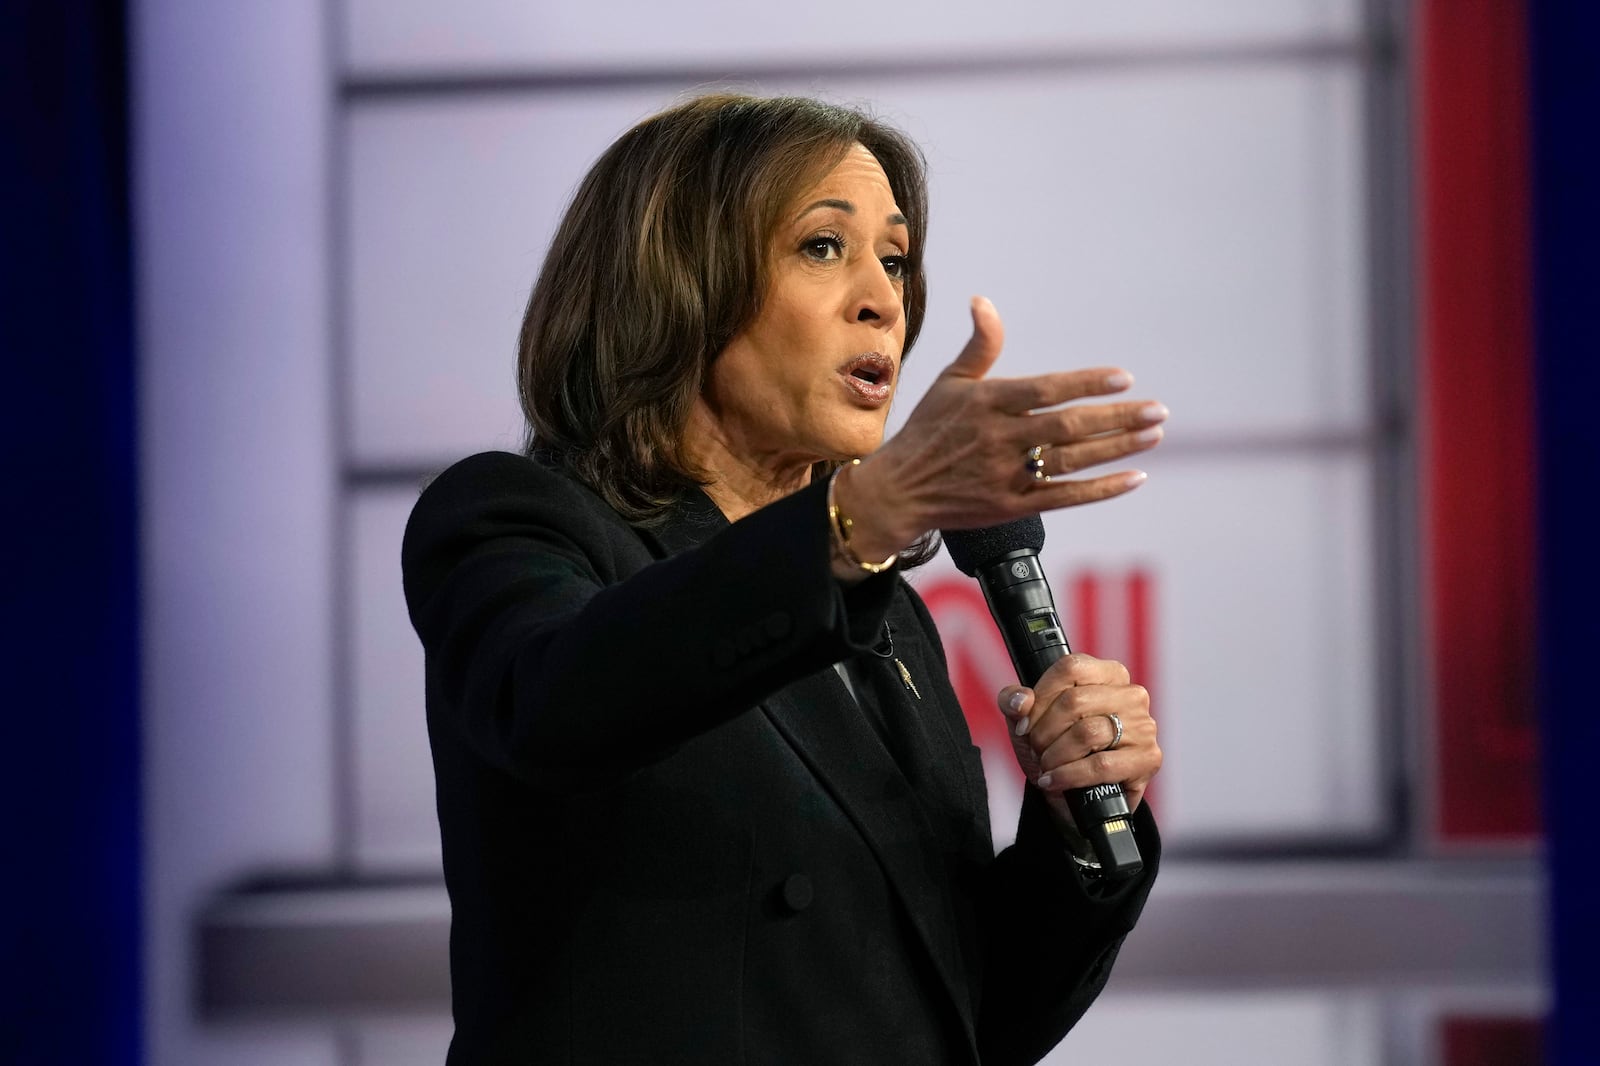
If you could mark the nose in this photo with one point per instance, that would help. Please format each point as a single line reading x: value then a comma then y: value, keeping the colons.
x: 877, y: 297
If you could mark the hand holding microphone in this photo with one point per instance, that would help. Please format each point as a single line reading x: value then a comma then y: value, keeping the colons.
x: 1083, y: 730
x: 1071, y: 750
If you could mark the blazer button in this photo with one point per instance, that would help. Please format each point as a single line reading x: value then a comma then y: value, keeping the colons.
x: 797, y: 892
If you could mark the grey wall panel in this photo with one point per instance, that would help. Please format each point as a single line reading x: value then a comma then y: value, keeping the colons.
x: 413, y: 1041
x: 1203, y: 230
x: 450, y: 211
x: 396, y: 826
x: 403, y: 36
x: 238, y: 490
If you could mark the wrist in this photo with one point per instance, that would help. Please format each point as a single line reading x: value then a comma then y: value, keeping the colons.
x: 861, y: 495
x: 1076, y: 845
x: 847, y: 558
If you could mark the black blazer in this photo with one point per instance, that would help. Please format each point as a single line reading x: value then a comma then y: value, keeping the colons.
x: 670, y: 833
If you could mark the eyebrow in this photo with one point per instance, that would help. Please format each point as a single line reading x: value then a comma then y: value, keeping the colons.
x: 896, y: 219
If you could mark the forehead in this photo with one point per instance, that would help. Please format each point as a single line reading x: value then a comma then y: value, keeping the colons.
x: 858, y: 177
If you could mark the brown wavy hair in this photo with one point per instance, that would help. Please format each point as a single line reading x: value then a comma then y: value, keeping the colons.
x: 661, y: 258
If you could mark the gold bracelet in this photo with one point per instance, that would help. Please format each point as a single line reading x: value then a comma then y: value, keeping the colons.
x: 841, y: 526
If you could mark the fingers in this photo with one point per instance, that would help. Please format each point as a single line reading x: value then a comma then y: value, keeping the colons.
x: 988, y: 335
x: 1081, y: 437
x: 1018, y: 702
x: 1091, y: 736
x: 1085, y: 422
x: 1017, y: 396
x: 1072, y: 734
x: 1053, y: 495
x: 1063, y: 729
x: 1065, y: 459
x: 1129, y: 767
x: 1080, y: 669
x: 1089, y: 707
x: 1015, y: 701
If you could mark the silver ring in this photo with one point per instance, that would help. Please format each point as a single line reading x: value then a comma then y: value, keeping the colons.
x: 1116, y: 721
x: 1035, y: 462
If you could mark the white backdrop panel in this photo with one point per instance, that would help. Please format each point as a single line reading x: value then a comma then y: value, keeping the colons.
x: 413, y: 36
x: 451, y: 209
x: 396, y: 823
x: 1263, y: 651
x: 1203, y: 229
x: 1266, y: 658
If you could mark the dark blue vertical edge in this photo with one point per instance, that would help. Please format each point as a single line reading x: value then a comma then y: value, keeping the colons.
x: 1564, y: 50
x: 70, y: 961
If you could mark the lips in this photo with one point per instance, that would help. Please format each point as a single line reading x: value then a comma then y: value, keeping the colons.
x: 870, y: 377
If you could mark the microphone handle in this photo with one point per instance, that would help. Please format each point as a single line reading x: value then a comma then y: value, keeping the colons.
x: 1019, y: 598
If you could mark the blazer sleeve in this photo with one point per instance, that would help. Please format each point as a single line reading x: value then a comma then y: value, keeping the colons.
x: 1049, y: 934
x: 557, y: 647
x: 1047, y: 960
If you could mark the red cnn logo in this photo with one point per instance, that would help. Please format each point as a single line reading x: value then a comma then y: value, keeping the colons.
x: 1107, y: 614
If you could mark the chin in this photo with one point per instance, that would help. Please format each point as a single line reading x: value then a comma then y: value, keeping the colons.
x: 854, y: 436
x: 863, y: 444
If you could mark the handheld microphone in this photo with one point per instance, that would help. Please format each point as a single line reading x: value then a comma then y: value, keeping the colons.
x: 1005, y: 561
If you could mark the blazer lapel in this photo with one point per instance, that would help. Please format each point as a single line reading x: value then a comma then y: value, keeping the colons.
x: 929, y: 752
x: 816, y: 716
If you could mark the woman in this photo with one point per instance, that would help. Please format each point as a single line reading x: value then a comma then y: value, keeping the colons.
x: 705, y: 792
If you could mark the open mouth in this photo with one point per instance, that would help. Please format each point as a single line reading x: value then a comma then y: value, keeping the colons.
x: 870, y: 368
x: 869, y: 378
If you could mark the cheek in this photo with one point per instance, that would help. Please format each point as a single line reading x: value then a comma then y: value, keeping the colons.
x: 736, y: 382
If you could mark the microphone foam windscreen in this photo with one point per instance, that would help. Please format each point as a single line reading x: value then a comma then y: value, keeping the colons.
x: 973, y: 548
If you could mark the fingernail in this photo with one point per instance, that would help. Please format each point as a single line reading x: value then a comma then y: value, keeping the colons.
x: 1120, y: 380
x: 1016, y: 701
x: 1150, y: 436
x: 1023, y: 725
x: 1044, y: 780
x: 1153, y: 412
x: 1134, y: 477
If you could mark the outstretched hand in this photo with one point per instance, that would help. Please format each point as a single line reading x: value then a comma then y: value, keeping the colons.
x: 962, y: 460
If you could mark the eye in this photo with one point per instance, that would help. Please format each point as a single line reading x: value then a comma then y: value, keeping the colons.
x: 823, y: 247
x: 897, y: 267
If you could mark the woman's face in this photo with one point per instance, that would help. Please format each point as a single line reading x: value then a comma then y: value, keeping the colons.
x: 812, y: 374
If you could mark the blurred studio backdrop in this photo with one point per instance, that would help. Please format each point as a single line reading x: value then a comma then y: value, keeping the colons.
x: 1303, y: 224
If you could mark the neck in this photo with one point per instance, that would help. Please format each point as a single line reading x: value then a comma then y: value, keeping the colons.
x: 743, y: 478
x: 739, y: 495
